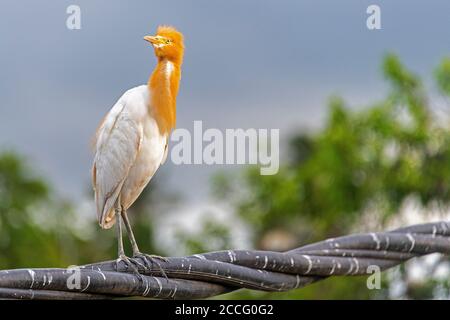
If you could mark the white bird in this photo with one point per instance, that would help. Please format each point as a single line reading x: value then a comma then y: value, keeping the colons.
x: 131, y: 141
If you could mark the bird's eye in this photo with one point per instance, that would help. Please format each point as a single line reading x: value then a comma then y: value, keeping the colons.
x: 168, y: 41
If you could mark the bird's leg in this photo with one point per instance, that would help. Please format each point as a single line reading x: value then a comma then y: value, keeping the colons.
x: 134, y: 245
x: 148, y: 259
x: 121, y: 252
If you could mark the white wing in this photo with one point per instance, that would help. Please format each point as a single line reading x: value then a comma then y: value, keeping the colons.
x: 118, y: 142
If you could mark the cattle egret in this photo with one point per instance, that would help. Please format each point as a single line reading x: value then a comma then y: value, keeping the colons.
x: 131, y: 141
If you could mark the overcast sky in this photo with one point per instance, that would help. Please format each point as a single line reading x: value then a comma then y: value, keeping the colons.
x: 248, y: 64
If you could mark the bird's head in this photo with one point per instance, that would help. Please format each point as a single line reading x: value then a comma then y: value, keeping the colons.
x: 168, y: 43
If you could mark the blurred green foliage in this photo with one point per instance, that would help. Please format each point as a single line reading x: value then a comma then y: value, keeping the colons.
x: 374, y: 157
x: 37, y: 229
x: 363, y: 159
x: 212, y: 236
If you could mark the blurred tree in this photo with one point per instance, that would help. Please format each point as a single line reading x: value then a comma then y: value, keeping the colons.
x: 36, y: 229
x: 367, y: 160
x: 212, y: 236
x: 20, y: 193
x: 39, y: 229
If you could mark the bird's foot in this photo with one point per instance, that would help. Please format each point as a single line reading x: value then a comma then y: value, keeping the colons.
x: 130, y: 264
x: 149, y: 260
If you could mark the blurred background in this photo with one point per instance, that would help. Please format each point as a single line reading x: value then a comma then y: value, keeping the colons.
x: 363, y: 118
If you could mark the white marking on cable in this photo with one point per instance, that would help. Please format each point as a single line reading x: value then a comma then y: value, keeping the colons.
x: 147, y: 287
x: 309, y: 263
x: 230, y: 254
x: 357, y: 266
x: 159, y: 285
x: 266, y: 260
x: 350, y: 269
x: 377, y: 241
x: 103, y: 275
x: 334, y: 267
x: 88, y: 283
x: 174, y: 291
x: 32, y: 273
x: 413, y: 242
x: 387, y: 243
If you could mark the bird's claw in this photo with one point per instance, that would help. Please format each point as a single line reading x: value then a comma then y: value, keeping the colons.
x: 130, y: 264
x: 149, y: 260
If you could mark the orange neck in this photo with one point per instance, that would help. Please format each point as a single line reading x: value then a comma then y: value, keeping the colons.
x: 163, y: 85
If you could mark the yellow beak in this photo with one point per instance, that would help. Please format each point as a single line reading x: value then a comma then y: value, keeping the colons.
x: 152, y: 39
